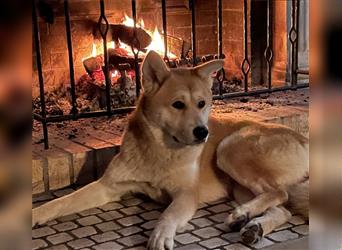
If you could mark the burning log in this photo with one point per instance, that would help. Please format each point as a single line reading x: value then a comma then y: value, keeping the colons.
x: 116, y: 57
x: 136, y: 37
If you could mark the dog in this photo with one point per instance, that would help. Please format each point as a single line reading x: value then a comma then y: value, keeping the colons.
x: 173, y: 151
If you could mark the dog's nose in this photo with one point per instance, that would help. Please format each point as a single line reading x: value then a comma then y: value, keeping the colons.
x: 200, y: 132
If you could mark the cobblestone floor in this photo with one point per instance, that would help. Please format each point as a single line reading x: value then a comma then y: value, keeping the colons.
x: 127, y: 225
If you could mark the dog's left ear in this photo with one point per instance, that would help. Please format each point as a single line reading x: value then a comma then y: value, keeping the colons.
x: 205, y: 70
x: 154, y: 72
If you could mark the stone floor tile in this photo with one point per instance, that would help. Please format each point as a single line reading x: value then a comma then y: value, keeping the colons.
x: 107, y: 236
x: 129, y: 221
x: 262, y: 243
x: 151, y: 215
x: 232, y: 236
x: 129, y: 230
x: 108, y: 226
x: 201, y: 213
x: 201, y: 222
x: 283, y: 236
x: 214, y: 242
x: 150, y: 205
x: 65, y: 226
x: 58, y: 247
x: 38, y: 243
x: 111, y: 215
x: 108, y: 245
x: 80, y: 243
x: 89, y: 220
x: 131, y: 210
x: 84, y: 231
x: 132, y: 202
x: 302, y: 229
x: 220, y: 218
x: 190, y: 247
x: 42, y: 231
x: 186, y: 238
x: 68, y: 218
x: 220, y: 208
x: 91, y: 211
x: 207, y: 232
x: 59, y: 238
x: 150, y: 224
x: 132, y: 240
x: 236, y: 246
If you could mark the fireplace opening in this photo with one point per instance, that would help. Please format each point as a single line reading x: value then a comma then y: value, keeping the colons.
x: 87, y: 54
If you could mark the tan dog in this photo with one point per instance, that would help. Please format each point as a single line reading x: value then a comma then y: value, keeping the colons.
x: 167, y: 153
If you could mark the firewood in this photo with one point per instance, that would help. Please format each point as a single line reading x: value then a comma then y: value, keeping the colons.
x: 116, y: 57
x: 125, y: 34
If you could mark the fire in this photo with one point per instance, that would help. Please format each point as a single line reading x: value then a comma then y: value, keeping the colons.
x: 115, y: 73
x: 94, y: 52
x: 157, y: 43
x: 130, y: 22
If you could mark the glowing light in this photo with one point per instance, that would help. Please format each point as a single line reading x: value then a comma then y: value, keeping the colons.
x: 94, y: 52
x: 115, y: 73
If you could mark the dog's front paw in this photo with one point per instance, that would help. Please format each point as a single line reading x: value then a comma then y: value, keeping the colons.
x: 162, y: 238
x: 252, y: 232
x: 237, y: 219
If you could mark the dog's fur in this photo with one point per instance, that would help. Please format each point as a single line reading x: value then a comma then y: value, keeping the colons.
x: 257, y: 164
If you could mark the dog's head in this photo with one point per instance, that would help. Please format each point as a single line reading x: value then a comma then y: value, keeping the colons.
x: 178, y: 101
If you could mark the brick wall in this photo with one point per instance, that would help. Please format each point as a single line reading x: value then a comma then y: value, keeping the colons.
x: 84, y: 13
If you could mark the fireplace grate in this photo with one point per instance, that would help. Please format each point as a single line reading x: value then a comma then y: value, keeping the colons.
x: 245, y: 65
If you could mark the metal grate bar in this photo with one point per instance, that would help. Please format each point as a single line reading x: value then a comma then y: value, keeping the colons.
x: 136, y: 52
x: 103, y: 26
x: 164, y: 29
x: 245, y: 66
x: 40, y: 72
x: 74, y: 110
x: 193, y: 31
x: 293, y: 37
x: 269, y: 51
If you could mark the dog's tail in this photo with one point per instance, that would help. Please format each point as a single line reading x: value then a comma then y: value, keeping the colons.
x: 299, y: 198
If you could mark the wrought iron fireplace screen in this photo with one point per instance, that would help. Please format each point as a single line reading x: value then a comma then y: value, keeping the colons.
x: 245, y: 65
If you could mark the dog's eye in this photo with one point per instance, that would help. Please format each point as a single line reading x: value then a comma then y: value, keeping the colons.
x: 178, y: 105
x: 201, y: 104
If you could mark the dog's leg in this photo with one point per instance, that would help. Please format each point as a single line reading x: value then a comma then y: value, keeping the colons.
x: 92, y: 195
x: 260, y: 226
x: 179, y: 212
x: 242, y: 214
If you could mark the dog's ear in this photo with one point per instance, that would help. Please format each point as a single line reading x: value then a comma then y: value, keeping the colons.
x: 205, y: 70
x: 154, y: 72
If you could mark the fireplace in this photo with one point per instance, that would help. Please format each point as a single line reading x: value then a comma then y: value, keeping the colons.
x: 88, y: 53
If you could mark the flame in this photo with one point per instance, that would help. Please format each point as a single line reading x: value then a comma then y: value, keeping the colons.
x: 115, y: 73
x: 157, y: 43
x: 94, y: 52
x: 130, y: 22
